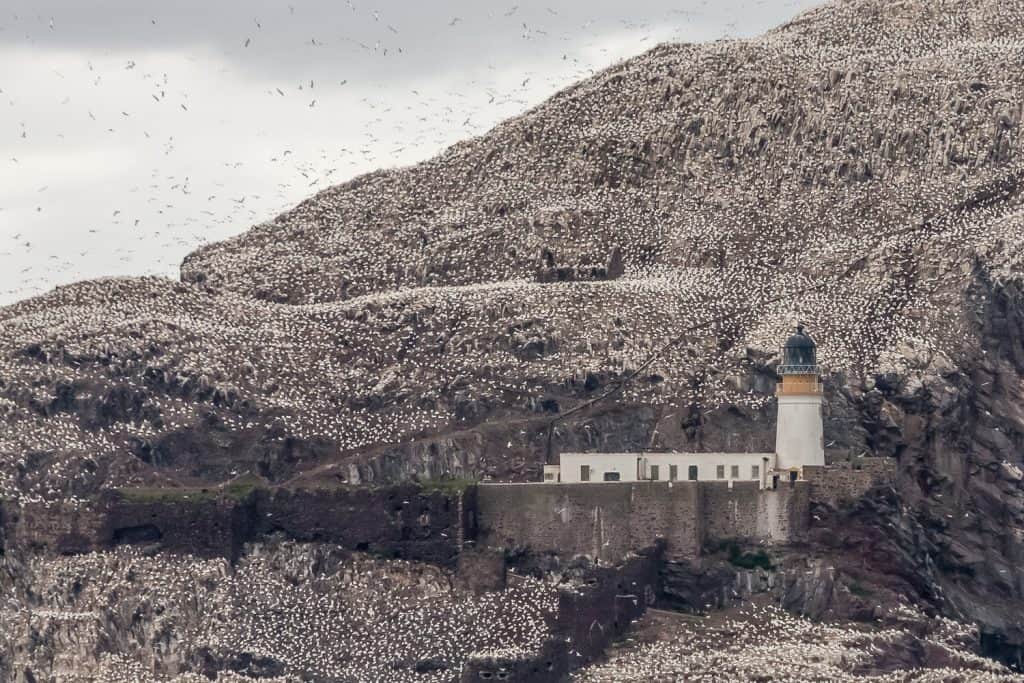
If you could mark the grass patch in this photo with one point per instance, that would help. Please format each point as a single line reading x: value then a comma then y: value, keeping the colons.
x: 167, y: 495
x: 237, y: 490
x: 449, y: 487
x: 859, y: 589
x: 745, y: 559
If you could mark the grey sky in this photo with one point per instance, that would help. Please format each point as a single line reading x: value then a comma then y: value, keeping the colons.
x: 132, y: 131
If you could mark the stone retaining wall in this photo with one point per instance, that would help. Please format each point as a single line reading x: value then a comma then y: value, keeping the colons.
x: 400, y: 521
x: 844, y: 482
x: 605, y: 522
x: 744, y: 512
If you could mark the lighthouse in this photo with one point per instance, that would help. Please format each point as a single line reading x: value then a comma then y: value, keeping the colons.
x: 799, y: 440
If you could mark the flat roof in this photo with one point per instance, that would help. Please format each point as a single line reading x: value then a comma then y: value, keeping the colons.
x: 648, y: 454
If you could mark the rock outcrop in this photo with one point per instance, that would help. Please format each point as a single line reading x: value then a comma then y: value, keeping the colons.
x: 859, y: 168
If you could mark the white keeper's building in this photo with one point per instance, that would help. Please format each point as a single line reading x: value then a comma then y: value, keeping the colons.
x: 799, y: 440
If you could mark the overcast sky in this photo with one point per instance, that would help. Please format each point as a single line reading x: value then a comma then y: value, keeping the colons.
x: 132, y: 131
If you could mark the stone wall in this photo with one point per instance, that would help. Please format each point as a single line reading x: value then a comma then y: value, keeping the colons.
x: 730, y: 512
x: 744, y: 512
x: 608, y: 521
x: 400, y: 521
x: 785, y: 512
x: 395, y: 521
x: 208, y: 527
x: 57, y: 528
x: 847, y: 481
x: 605, y: 522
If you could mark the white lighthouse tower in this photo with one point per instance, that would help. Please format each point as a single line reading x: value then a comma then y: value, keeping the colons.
x: 799, y: 438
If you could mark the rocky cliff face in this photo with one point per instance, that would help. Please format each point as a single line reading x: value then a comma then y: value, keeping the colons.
x: 859, y: 168
x: 300, y: 612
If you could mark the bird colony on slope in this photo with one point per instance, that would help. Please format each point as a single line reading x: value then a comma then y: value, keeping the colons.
x: 294, y: 609
x: 766, y: 643
x: 853, y: 169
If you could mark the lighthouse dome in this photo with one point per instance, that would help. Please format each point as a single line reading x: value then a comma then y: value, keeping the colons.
x: 800, y: 354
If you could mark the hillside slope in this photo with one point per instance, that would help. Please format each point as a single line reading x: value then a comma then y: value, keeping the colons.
x: 859, y: 169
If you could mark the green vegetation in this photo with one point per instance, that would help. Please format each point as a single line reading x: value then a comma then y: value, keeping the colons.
x: 242, y: 487
x: 235, y: 490
x: 167, y: 495
x: 758, y: 559
x: 747, y: 560
x: 449, y: 487
x: 859, y: 590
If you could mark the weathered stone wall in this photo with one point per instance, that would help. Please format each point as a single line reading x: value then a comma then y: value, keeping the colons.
x: 396, y: 521
x: 602, y: 521
x: 845, y: 482
x: 744, y: 512
x: 730, y: 512
x: 206, y: 528
x: 400, y: 521
x: 57, y: 528
x: 672, y: 512
x: 608, y: 521
x: 784, y: 513
x: 605, y: 522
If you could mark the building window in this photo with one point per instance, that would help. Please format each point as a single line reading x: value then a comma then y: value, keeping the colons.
x: 549, y: 476
x: 611, y: 476
x: 655, y: 472
x: 691, y: 474
x: 584, y: 472
x: 755, y: 471
x: 673, y: 472
x: 720, y: 471
x: 735, y: 472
